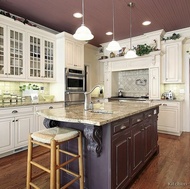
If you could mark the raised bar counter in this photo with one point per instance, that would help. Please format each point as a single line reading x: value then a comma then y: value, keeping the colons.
x: 119, y: 138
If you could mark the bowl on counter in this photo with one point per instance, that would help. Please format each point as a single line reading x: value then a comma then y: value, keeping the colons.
x: 48, y: 98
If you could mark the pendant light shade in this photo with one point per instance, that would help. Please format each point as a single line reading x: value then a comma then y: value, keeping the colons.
x: 113, y: 45
x: 131, y: 53
x: 83, y: 33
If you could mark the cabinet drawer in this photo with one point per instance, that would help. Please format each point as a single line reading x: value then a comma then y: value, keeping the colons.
x: 48, y: 106
x: 148, y: 114
x: 136, y: 119
x: 10, y: 112
x: 120, y: 125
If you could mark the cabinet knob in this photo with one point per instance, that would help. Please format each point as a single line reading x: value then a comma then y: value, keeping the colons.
x: 150, y: 115
x: 123, y: 127
x: 51, y: 107
x: 138, y: 120
x: 129, y: 138
x: 14, y: 111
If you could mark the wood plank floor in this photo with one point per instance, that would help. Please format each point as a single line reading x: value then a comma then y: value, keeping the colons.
x: 169, y: 170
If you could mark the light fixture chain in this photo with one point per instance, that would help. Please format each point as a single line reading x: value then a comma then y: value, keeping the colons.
x: 130, y: 27
x: 113, y: 8
x: 83, y: 12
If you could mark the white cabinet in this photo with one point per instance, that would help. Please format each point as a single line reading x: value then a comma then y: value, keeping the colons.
x: 154, y: 83
x: 12, y: 53
x: 172, y: 61
x: 39, y: 119
x: 74, y: 54
x: 15, y: 125
x: 41, y: 58
x: 170, y: 117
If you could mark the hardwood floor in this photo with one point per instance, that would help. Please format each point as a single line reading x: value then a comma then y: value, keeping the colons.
x: 169, y: 170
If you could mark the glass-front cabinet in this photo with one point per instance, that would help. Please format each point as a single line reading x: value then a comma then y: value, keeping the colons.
x: 41, y: 58
x: 12, y: 55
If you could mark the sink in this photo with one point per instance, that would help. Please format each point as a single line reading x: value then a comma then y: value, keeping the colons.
x: 101, y: 111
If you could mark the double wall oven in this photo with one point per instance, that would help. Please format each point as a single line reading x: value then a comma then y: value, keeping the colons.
x: 75, y: 86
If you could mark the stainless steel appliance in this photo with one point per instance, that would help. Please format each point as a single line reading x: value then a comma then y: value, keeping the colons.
x: 73, y: 98
x: 75, y: 80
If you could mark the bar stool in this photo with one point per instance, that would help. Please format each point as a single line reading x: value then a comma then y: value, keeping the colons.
x: 52, y: 138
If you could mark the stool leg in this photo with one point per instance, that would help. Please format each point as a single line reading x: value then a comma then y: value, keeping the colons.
x: 29, y: 166
x: 53, y: 165
x: 58, y: 170
x: 80, y: 152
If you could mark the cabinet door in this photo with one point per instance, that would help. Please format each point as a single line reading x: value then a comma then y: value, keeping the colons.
x: 16, y: 53
x: 3, y: 65
x: 79, y: 56
x: 69, y: 54
x: 154, y: 83
x: 23, y: 126
x: 35, y: 56
x: 6, y: 135
x: 49, y: 62
x: 121, y: 152
x: 137, y: 147
x: 148, y: 137
x: 173, y: 62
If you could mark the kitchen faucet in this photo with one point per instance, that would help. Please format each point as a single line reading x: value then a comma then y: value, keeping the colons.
x: 87, y: 99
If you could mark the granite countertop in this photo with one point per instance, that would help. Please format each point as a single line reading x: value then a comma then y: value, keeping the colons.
x: 26, y: 103
x: 115, y: 111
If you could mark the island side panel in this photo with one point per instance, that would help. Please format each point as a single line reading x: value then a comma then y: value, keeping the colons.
x: 97, y: 169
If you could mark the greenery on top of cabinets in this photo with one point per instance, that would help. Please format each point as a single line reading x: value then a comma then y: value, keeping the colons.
x: 143, y: 49
x: 173, y: 37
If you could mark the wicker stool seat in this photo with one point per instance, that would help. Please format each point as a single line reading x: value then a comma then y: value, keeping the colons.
x: 51, y: 138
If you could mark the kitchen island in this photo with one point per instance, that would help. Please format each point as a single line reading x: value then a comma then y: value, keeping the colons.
x: 119, y: 139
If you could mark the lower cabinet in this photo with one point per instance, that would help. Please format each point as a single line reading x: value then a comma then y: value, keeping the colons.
x: 15, y: 125
x: 170, y: 117
x: 134, y: 141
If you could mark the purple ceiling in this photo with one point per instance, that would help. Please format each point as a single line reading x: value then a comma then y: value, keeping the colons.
x: 58, y: 15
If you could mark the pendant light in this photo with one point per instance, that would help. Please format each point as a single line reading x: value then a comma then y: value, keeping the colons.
x: 83, y: 33
x: 131, y: 53
x: 113, y: 45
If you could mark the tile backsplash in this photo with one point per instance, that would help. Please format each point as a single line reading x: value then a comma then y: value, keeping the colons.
x: 13, y: 87
x: 134, y: 82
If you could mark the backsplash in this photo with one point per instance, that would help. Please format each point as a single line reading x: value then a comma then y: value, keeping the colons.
x: 13, y: 87
x: 134, y: 82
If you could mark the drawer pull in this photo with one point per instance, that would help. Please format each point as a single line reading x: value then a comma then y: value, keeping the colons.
x: 150, y: 115
x: 123, y: 127
x: 51, y: 107
x: 138, y: 120
x: 14, y: 111
x: 164, y: 104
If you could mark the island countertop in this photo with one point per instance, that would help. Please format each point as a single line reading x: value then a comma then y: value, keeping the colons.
x: 103, y: 112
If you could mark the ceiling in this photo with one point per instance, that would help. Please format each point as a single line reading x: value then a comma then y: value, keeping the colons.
x: 58, y: 15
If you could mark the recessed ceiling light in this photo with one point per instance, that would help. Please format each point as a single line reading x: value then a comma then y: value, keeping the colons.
x: 109, y: 33
x: 146, y: 23
x: 77, y: 15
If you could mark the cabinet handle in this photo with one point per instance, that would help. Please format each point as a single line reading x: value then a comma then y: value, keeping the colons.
x: 51, y: 107
x: 16, y: 119
x: 123, y: 127
x: 13, y: 120
x: 138, y: 120
x: 149, y: 115
x: 164, y: 104
x: 14, y: 111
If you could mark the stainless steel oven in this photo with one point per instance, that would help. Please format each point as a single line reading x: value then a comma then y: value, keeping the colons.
x: 75, y: 80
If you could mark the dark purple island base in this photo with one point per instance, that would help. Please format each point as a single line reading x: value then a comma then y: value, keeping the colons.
x: 114, y: 152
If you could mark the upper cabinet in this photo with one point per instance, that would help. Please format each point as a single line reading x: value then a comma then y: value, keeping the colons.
x: 74, y: 54
x: 26, y: 53
x: 41, y: 58
x: 12, y: 53
x: 172, y: 61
